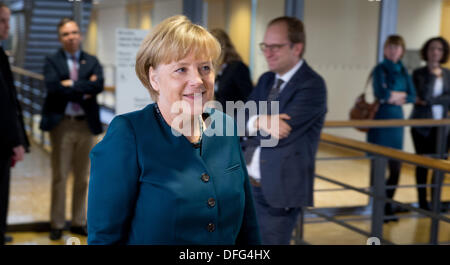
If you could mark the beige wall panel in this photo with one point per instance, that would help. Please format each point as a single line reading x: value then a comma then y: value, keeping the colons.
x: 239, y: 31
x: 111, y: 15
x: 90, y: 39
x: 341, y: 45
x: 418, y: 21
x: 266, y: 11
x: 139, y: 14
x: 133, y: 15
x: 164, y: 9
x: 146, y: 19
x: 217, y: 17
x: 109, y: 19
x: 445, y: 22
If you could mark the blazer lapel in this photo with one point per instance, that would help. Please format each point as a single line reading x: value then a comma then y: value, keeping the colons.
x: 292, y: 85
x: 266, y: 89
x: 81, y: 65
x: 429, y: 81
x: 63, y: 64
x: 446, y: 79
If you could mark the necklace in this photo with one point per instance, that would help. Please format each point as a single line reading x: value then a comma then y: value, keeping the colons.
x: 196, y: 144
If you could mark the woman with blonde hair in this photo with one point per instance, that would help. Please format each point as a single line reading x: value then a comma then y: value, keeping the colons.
x: 154, y: 181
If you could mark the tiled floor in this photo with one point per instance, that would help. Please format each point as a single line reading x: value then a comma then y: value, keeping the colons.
x: 30, y: 201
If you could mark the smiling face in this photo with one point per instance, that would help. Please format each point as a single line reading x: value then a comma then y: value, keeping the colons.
x: 281, y: 59
x: 189, y: 81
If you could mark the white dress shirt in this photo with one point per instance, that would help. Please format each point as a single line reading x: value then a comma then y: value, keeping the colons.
x: 438, y: 89
x: 253, y: 167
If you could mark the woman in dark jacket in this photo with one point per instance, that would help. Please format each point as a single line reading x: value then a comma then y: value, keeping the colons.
x: 233, y: 82
x: 393, y: 87
x: 432, y: 84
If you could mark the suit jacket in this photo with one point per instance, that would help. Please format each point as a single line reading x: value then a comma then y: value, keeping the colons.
x: 148, y: 186
x: 55, y: 71
x: 234, y: 83
x: 12, y: 129
x: 287, y: 170
x: 424, y: 83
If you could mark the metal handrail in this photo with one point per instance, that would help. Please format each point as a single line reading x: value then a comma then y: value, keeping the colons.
x: 386, y: 123
x: 31, y: 92
x: 380, y: 155
x: 387, y: 152
x: 27, y: 73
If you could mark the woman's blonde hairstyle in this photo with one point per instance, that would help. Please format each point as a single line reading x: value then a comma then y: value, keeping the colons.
x: 170, y: 41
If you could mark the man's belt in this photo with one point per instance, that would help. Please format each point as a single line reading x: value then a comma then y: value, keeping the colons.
x: 75, y: 118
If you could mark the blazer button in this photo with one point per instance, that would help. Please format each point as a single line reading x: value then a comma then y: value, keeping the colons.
x: 205, y: 177
x: 211, y: 227
x: 211, y: 202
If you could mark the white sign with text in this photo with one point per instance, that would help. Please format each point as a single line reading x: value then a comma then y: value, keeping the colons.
x: 131, y: 95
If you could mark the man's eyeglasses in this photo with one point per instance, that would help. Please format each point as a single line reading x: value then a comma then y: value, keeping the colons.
x: 272, y: 47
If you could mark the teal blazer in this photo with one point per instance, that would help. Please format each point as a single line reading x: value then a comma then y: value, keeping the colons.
x: 148, y: 186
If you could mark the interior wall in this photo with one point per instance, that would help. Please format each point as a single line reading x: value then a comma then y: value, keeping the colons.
x: 239, y: 26
x: 109, y: 19
x: 341, y: 45
x: 139, y: 14
x: 146, y: 20
x: 445, y: 23
x: 90, y: 38
x: 133, y: 15
x: 418, y: 21
x: 217, y: 14
x: 111, y: 16
x: 266, y: 10
x: 165, y: 8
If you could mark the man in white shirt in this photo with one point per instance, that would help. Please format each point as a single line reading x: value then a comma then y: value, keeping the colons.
x: 282, y: 175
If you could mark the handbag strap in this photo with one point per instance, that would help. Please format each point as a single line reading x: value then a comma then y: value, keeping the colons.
x: 368, y: 81
x: 371, y: 76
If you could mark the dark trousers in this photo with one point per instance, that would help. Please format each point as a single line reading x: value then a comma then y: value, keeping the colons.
x: 275, y: 224
x: 424, y: 145
x: 394, y: 174
x: 5, y: 165
x: 392, y: 180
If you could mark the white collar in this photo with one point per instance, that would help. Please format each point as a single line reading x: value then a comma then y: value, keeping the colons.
x: 288, y: 75
x: 76, y: 55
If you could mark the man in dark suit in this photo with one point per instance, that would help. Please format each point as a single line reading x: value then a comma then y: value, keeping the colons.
x: 71, y: 114
x: 283, y: 175
x: 13, y: 140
